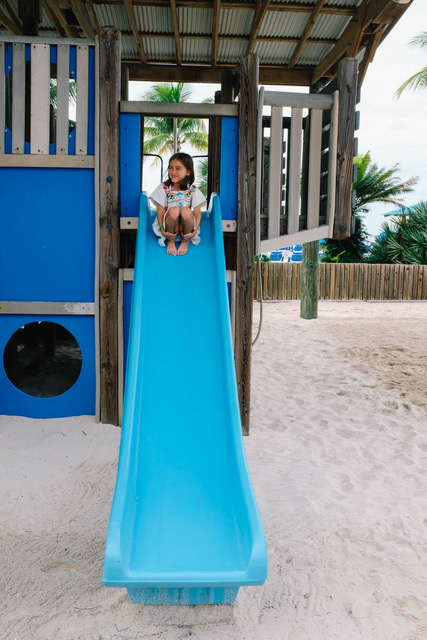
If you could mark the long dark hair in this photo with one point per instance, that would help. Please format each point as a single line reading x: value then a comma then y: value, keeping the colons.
x: 187, y: 161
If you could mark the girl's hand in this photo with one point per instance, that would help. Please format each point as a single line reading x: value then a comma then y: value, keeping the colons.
x: 188, y: 236
x: 168, y: 235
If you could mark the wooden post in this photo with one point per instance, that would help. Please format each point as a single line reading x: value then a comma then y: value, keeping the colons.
x: 309, y: 280
x: 109, y: 97
x: 347, y: 87
x: 248, y: 98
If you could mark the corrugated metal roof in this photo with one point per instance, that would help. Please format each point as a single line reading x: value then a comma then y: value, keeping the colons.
x: 274, y: 52
x: 330, y: 24
x: 237, y: 22
x: 160, y: 49
x: 196, y: 50
x: 154, y: 19
x: 229, y: 51
x: 110, y: 14
x: 195, y: 21
x: 277, y: 24
x: 313, y: 53
x: 129, y: 48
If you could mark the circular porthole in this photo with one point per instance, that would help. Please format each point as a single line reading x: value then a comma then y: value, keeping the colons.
x: 42, y: 359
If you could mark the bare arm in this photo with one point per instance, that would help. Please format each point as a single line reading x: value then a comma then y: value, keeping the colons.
x: 160, y: 216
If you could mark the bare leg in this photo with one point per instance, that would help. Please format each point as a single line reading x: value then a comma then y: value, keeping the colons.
x: 186, y: 226
x: 172, y: 226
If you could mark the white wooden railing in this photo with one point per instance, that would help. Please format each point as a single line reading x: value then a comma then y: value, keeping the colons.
x: 27, y: 65
x: 296, y: 187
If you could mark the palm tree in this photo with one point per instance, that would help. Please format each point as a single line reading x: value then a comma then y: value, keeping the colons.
x: 373, y: 184
x: 404, y: 240
x: 419, y: 79
x: 159, y: 132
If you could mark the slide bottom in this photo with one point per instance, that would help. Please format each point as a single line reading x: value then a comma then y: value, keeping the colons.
x: 191, y: 595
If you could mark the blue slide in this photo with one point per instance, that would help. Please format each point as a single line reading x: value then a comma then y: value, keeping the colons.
x: 184, y: 525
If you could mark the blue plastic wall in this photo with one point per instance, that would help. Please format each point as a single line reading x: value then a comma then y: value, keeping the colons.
x: 47, y: 254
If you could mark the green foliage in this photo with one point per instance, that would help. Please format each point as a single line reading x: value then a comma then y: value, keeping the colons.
x: 373, y: 184
x: 352, y: 249
x: 202, y: 176
x: 404, y: 239
x: 158, y: 132
x: 419, y: 79
x: 262, y: 258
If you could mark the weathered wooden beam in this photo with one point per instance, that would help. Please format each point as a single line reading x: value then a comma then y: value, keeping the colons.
x: 55, y: 20
x: 93, y: 15
x: 176, y: 32
x: 248, y: 107
x: 130, y: 12
x: 82, y: 16
x: 261, y: 9
x: 196, y: 73
x: 70, y: 31
x: 109, y: 222
x: 308, y: 27
x: 347, y: 87
x: 215, y: 31
x: 15, y: 24
x: 29, y: 12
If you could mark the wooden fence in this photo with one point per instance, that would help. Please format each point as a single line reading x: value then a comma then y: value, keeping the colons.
x: 282, y: 281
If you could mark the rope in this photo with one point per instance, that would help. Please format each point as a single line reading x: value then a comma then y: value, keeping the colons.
x: 260, y: 301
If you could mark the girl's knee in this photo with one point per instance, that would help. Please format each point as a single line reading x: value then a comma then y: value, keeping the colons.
x: 186, y: 213
x: 173, y: 214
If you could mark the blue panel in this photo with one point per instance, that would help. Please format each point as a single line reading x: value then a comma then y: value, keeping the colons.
x: 229, y: 167
x: 79, y: 400
x: 47, y: 239
x: 130, y: 163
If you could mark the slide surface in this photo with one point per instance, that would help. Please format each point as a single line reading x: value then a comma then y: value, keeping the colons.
x: 184, y: 526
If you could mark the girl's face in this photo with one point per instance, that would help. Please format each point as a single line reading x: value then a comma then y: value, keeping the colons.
x: 177, y: 171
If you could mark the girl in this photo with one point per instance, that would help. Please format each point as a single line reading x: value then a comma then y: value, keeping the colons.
x: 176, y: 199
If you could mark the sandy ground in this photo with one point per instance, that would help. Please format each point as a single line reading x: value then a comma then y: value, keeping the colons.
x: 337, y: 455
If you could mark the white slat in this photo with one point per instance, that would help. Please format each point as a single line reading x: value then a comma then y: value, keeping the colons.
x: 276, y: 175
x: 62, y: 111
x: 18, y: 98
x: 82, y: 100
x: 294, y: 170
x: 40, y: 109
x: 2, y: 97
x: 314, y: 160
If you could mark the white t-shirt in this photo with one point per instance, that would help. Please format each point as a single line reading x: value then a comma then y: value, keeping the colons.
x: 165, y: 197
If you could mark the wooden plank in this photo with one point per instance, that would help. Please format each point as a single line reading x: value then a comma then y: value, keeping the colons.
x: 332, y: 165
x: 2, y: 97
x: 82, y: 106
x: 420, y: 276
x: 181, y: 109
x: 294, y: 171
x: 109, y: 229
x: 347, y: 88
x: 40, y: 92
x: 314, y: 161
x: 18, y: 98
x: 248, y: 99
x: 27, y: 160
x: 63, y: 99
x: 47, y: 308
x: 424, y: 288
x: 276, y: 172
x: 295, y: 99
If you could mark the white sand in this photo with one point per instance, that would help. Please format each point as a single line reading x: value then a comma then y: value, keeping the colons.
x: 338, y: 459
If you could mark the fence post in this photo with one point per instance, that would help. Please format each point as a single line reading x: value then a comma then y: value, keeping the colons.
x: 309, y: 280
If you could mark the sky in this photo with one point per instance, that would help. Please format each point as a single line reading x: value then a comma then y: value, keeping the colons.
x: 394, y: 131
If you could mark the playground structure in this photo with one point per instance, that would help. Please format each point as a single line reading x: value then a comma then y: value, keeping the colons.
x: 71, y: 204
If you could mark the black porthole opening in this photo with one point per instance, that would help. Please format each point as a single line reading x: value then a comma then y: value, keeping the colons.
x: 42, y: 359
